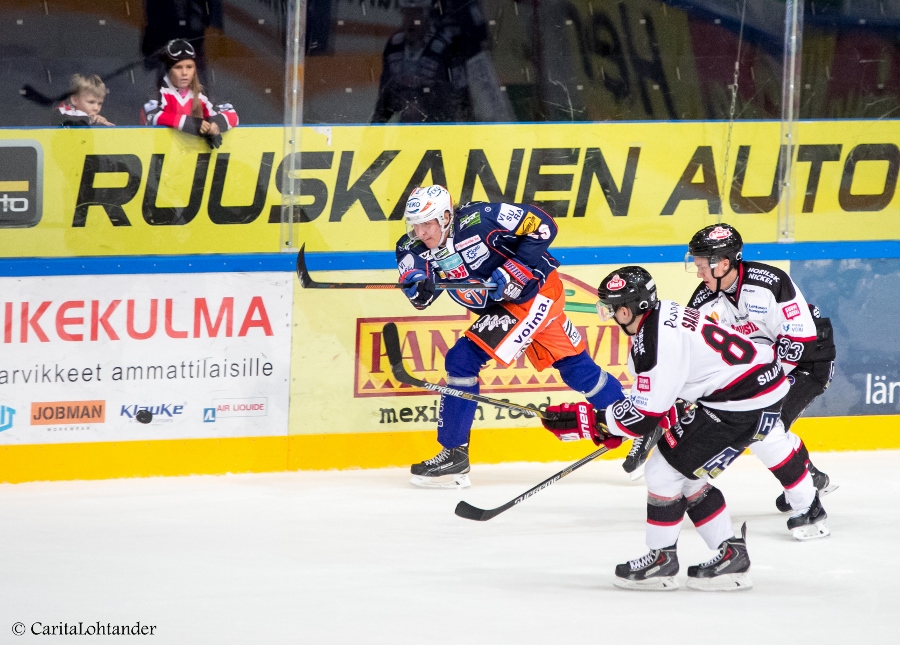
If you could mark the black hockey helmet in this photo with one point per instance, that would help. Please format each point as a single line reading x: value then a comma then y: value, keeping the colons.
x: 713, y: 242
x: 631, y: 287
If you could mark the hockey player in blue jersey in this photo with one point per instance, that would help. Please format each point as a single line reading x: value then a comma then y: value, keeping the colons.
x: 506, y: 244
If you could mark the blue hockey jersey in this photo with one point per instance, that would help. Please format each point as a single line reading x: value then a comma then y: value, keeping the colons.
x: 483, y: 236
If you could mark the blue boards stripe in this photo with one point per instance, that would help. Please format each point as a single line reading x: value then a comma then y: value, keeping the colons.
x: 346, y: 261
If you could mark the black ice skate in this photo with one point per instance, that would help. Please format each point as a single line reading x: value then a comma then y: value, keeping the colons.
x: 640, y: 450
x: 809, y: 524
x: 728, y: 571
x: 821, y: 481
x: 447, y: 469
x: 654, y: 572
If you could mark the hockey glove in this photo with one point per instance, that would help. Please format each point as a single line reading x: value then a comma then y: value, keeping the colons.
x: 511, y: 279
x: 669, y: 420
x: 214, y: 140
x: 418, y: 287
x: 574, y: 421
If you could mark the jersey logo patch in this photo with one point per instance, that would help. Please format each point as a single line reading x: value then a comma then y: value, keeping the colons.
x: 476, y: 255
x: 492, y: 322
x: 529, y: 225
x: 717, y: 464
x: 469, y: 241
x: 767, y: 423
x: 470, y: 220
x: 791, y: 311
x: 470, y: 299
x: 643, y: 383
x: 572, y: 332
x: 747, y: 328
x: 407, y: 264
x: 510, y: 216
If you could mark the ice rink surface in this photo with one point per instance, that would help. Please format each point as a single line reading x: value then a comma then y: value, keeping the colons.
x: 362, y: 557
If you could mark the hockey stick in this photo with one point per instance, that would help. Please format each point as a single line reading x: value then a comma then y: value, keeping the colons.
x: 464, y: 509
x: 395, y: 357
x: 30, y: 94
x: 307, y: 282
x: 469, y: 512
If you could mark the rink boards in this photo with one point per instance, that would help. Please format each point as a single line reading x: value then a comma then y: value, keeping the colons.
x: 143, y: 273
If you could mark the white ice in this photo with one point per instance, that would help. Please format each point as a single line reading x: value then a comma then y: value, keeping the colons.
x: 361, y: 557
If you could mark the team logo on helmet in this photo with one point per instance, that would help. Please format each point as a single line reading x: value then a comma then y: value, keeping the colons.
x: 413, y: 205
x: 719, y: 233
x: 616, y: 283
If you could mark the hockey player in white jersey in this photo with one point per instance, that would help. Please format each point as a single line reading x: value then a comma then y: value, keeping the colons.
x: 737, y: 388
x: 763, y: 302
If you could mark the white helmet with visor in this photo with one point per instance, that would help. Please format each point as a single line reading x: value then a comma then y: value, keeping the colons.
x: 428, y: 203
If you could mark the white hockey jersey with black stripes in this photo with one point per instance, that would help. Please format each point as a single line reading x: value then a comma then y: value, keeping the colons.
x: 768, y: 307
x: 678, y: 354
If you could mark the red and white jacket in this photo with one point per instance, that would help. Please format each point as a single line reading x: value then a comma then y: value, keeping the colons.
x: 69, y: 115
x: 173, y: 110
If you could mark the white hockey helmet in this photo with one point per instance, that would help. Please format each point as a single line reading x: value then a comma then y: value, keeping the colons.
x: 427, y: 203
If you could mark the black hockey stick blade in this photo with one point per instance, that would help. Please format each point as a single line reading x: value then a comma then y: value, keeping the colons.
x: 30, y: 94
x: 469, y: 512
x: 302, y: 274
x: 307, y: 282
x: 395, y: 357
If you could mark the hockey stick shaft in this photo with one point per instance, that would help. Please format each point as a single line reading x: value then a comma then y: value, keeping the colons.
x: 308, y: 283
x: 395, y: 357
x: 469, y: 512
x: 29, y: 93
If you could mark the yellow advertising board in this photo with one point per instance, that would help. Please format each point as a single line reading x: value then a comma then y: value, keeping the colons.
x: 148, y: 191
x: 344, y: 382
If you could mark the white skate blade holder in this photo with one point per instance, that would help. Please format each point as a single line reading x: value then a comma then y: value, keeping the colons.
x: 637, y: 473
x: 445, y: 481
x: 811, y: 531
x: 726, y: 582
x: 664, y: 583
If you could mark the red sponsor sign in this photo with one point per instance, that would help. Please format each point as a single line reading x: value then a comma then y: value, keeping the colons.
x: 643, y: 383
x: 791, y: 311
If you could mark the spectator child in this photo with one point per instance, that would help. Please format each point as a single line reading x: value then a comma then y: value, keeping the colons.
x: 181, y: 103
x: 85, y: 101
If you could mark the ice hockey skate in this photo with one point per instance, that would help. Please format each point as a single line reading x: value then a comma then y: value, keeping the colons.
x: 448, y: 469
x: 810, y: 523
x: 655, y: 571
x: 640, y: 450
x: 728, y: 571
x: 821, y: 481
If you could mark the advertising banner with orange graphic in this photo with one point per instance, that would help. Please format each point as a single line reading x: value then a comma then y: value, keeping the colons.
x: 345, y: 384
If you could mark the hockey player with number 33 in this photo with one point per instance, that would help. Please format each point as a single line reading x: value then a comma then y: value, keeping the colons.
x: 738, y: 388
x: 763, y: 302
x: 505, y: 244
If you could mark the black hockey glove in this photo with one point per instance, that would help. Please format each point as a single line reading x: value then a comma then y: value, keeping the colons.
x: 214, y: 140
x: 418, y: 287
